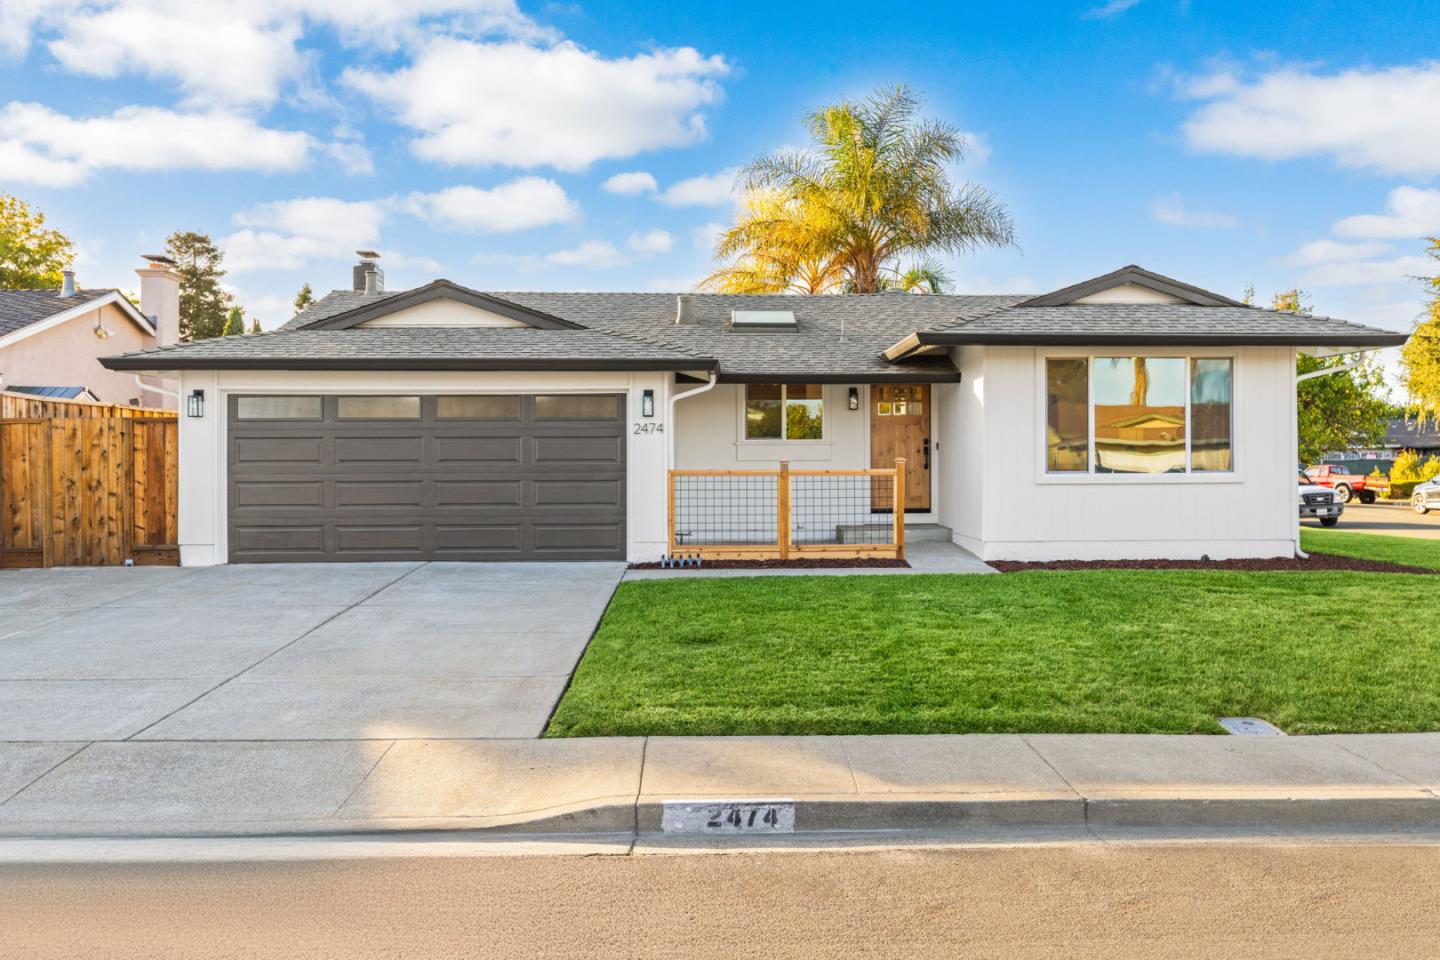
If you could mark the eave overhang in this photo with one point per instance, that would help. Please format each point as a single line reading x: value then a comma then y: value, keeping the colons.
x: 1359, y: 341
x: 149, y: 364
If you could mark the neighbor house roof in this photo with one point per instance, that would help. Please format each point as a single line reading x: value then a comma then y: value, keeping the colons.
x: 1407, y: 434
x: 21, y: 310
x: 889, y: 336
x: 52, y: 393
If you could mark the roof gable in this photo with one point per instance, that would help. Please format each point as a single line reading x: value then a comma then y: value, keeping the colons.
x: 1094, y: 290
x: 377, y: 312
x: 24, y: 313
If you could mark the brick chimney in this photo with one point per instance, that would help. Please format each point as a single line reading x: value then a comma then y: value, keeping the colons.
x: 160, y: 296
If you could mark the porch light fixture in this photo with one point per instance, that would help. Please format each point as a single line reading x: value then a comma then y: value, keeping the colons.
x: 647, y: 403
x: 854, y: 398
x: 195, y: 404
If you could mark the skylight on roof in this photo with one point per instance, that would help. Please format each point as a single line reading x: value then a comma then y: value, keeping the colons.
x: 762, y: 320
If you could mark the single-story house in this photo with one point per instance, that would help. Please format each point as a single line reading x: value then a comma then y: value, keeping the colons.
x: 1129, y: 416
x: 51, y: 340
x: 1401, y: 433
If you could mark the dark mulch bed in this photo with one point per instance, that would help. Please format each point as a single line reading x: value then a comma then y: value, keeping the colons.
x: 1317, y: 561
x: 798, y: 564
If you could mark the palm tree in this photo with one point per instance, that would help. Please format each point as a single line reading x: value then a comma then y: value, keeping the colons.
x: 874, y: 189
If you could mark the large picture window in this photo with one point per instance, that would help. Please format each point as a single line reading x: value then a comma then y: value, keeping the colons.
x: 784, y: 411
x: 1138, y: 415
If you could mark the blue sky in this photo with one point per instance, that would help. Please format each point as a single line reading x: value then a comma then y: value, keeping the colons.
x: 1226, y: 143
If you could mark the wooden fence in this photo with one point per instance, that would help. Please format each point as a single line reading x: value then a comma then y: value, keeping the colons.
x: 89, y: 490
x: 787, y: 514
x: 23, y: 406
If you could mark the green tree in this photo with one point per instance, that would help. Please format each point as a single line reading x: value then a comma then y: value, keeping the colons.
x: 234, y: 322
x: 1339, y: 411
x: 304, y: 298
x: 255, y: 325
x: 1420, y: 357
x: 204, y: 304
x: 31, y: 255
x: 874, y: 189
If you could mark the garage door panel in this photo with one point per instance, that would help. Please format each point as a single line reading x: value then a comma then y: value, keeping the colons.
x: 479, y: 450
x: 530, y: 487
x: 351, y: 451
x: 278, y: 450
x: 388, y: 493
x: 574, y: 449
x: 479, y: 493
x: 278, y: 493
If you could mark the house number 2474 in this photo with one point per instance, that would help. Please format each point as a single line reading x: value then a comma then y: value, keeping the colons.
x: 649, y: 427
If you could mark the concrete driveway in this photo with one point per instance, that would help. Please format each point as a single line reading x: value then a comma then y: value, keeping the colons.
x: 293, y: 652
x: 1387, y: 519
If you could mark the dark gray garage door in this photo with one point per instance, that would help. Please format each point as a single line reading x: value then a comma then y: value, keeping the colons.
x: 476, y: 477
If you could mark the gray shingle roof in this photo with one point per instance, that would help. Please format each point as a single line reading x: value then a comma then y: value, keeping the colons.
x: 1408, y: 434
x: 836, y: 337
x: 20, y: 308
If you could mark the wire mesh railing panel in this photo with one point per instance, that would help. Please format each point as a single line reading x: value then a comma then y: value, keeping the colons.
x: 726, y: 510
x: 842, y: 509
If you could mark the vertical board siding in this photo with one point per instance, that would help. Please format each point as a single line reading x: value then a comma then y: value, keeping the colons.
x: 88, y: 491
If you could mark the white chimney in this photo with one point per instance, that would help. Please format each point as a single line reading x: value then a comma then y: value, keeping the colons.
x: 684, y: 309
x: 366, y: 276
x: 160, y: 296
x: 67, y: 283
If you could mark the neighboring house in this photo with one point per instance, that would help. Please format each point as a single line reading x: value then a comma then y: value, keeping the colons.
x: 1401, y: 433
x: 51, y: 341
x: 1130, y: 416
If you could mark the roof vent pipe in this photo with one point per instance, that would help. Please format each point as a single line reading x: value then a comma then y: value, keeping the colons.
x: 67, y: 283
x: 684, y: 308
x: 367, y: 272
x: 370, y: 283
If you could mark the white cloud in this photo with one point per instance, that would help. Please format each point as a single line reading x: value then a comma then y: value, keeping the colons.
x: 41, y: 146
x: 237, y: 53
x: 591, y: 255
x: 1171, y: 210
x: 1107, y: 11
x: 1346, y: 273
x: 288, y: 234
x: 1379, y: 120
x: 977, y: 149
x: 352, y: 156
x: 631, y: 184
x: 521, y: 105
x: 521, y: 204
x: 1334, y: 251
x: 707, y: 235
x: 1411, y: 212
x: 651, y: 242
x: 706, y: 190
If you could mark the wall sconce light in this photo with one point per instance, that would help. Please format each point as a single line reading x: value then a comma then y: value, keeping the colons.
x: 647, y: 403
x: 102, y: 331
x: 195, y: 404
x: 854, y: 398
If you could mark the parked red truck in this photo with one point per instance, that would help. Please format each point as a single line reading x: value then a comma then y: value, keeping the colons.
x: 1347, y: 486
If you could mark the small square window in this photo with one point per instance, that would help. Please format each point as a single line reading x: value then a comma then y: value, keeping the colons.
x: 278, y: 408
x: 791, y: 411
x: 577, y: 406
x: 378, y: 408
x: 498, y: 407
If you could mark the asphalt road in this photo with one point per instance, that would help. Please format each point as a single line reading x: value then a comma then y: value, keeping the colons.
x: 1396, y: 521
x: 1081, y: 900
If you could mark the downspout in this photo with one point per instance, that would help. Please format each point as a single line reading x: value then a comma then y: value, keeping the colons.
x: 676, y: 398
x: 174, y: 395
x: 1300, y: 378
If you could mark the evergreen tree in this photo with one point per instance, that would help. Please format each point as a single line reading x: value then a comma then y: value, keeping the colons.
x: 234, y: 322
x: 254, y: 326
x: 31, y: 256
x: 304, y: 298
x: 204, y: 304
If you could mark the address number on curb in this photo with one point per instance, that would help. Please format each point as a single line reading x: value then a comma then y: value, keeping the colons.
x: 743, y: 816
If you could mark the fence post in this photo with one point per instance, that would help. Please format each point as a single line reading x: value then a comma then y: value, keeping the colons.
x: 782, y: 503
x: 670, y: 511
x: 899, y: 502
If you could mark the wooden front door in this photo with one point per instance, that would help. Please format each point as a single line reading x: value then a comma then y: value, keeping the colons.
x: 900, y: 427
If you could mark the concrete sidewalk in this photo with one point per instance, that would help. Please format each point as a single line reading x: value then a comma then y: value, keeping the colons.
x: 977, y: 785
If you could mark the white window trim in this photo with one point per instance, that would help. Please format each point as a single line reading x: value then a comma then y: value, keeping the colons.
x: 823, y: 440
x: 1090, y: 477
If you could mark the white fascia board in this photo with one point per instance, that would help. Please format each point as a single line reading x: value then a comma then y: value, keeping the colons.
x: 65, y: 316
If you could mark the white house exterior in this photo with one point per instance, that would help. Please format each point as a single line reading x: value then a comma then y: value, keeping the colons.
x: 1129, y: 417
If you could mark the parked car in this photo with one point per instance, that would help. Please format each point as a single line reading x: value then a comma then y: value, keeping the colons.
x: 1426, y: 496
x: 1322, y: 503
x: 1347, y: 486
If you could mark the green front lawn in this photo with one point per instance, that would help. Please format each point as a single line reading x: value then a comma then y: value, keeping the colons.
x: 1411, y: 551
x: 1044, y: 651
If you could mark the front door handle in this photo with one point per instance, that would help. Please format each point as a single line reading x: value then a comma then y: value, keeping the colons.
x: 927, y: 453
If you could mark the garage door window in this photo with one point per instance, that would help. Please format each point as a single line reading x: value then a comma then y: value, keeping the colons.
x: 378, y: 408
x: 278, y: 408
x: 478, y: 408
x: 577, y: 407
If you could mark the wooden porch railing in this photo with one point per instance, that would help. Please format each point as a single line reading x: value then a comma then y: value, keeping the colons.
x: 786, y: 514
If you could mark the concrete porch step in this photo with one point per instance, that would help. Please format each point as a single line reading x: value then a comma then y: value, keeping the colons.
x: 874, y: 532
